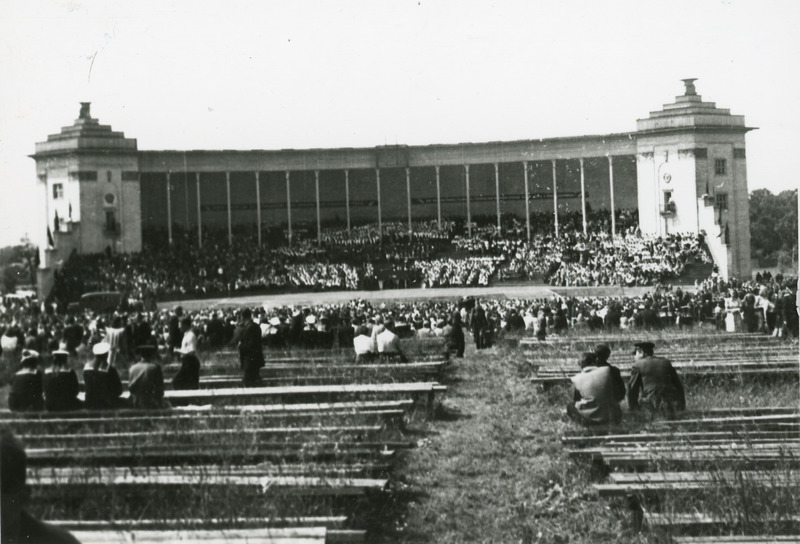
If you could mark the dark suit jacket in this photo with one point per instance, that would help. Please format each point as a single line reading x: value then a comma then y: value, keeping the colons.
x: 658, y: 382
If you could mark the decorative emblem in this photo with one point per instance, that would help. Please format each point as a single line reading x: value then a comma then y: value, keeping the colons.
x: 109, y: 198
x: 667, y: 177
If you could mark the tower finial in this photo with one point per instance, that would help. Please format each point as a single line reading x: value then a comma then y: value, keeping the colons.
x: 689, y: 83
x: 84, y: 114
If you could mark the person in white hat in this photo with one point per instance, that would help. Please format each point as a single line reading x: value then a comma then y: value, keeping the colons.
x: 61, y: 385
x: 26, y: 386
x: 101, y: 381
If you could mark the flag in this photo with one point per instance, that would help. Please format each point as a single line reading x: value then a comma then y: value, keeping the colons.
x: 70, y: 211
x: 50, y: 242
x: 55, y: 223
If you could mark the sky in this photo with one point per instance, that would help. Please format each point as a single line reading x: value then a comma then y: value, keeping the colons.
x: 270, y: 75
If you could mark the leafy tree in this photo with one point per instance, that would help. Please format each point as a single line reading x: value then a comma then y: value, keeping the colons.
x: 773, y: 223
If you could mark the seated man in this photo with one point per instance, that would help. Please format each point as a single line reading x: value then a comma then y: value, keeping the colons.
x: 17, y: 524
x: 61, y: 385
x: 364, y: 346
x: 602, y: 352
x: 594, y: 398
x: 102, y: 383
x: 26, y: 393
x: 657, y: 381
x: 146, y: 381
x: 388, y: 342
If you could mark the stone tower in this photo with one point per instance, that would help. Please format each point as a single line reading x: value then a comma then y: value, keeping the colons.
x: 89, y: 176
x: 692, y: 177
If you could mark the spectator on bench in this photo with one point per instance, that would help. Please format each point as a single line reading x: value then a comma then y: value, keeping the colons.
x: 388, y: 343
x: 26, y: 393
x: 146, y: 382
x: 657, y: 381
x: 17, y: 524
x: 602, y: 352
x: 364, y: 346
x: 594, y: 400
x: 61, y: 385
x: 102, y: 383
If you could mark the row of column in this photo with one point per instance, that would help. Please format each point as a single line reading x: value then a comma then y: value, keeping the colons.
x: 408, y: 202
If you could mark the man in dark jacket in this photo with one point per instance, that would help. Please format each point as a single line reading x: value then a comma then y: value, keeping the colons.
x: 248, y: 338
x: 657, y: 381
x: 146, y: 380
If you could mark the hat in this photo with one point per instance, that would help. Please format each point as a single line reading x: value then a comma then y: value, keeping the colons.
x: 644, y: 346
x: 28, y: 354
x: 275, y: 321
x: 310, y: 319
x: 101, y: 348
x: 62, y: 352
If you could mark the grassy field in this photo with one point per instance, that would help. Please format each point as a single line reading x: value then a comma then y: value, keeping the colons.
x: 492, y: 468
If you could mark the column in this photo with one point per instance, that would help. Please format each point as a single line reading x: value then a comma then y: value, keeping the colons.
x: 169, y: 209
x: 611, y: 186
x: 555, y: 196
x: 378, y: 186
x: 408, y: 196
x: 316, y: 193
x: 186, y: 197
x: 258, y: 205
x: 289, y: 207
x: 527, y: 203
x: 199, y: 215
x: 228, y: 192
x: 469, y: 214
x: 583, y: 198
x: 347, y: 198
x: 497, y: 192
x: 438, y: 198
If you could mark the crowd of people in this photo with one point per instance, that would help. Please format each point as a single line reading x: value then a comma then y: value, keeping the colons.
x: 767, y: 304
x: 393, y: 256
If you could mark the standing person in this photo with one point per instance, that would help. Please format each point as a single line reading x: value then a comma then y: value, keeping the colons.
x: 248, y: 339
x: 657, y: 381
x: 174, y: 335
x: 117, y: 340
x: 26, y: 393
x: 454, y: 335
x: 594, y: 400
x: 102, y: 383
x: 188, y: 376
x: 479, y: 325
x: 61, y: 387
x: 73, y: 335
x: 146, y: 381
x: 541, y: 326
x: 16, y: 523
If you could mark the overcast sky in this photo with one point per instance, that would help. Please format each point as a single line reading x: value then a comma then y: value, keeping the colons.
x: 293, y: 74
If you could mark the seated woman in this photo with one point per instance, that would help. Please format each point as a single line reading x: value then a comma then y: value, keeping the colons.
x: 103, y: 386
x: 26, y: 385
x: 61, y: 386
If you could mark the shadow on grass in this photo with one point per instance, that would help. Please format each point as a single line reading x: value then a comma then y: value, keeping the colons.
x: 448, y: 413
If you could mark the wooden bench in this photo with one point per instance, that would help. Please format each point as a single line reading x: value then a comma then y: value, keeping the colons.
x: 202, y: 476
x: 298, y: 535
x: 699, y: 519
x: 652, y: 482
x: 765, y: 539
x: 329, y: 522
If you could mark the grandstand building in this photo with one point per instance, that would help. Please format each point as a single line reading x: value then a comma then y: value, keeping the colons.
x: 684, y: 168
